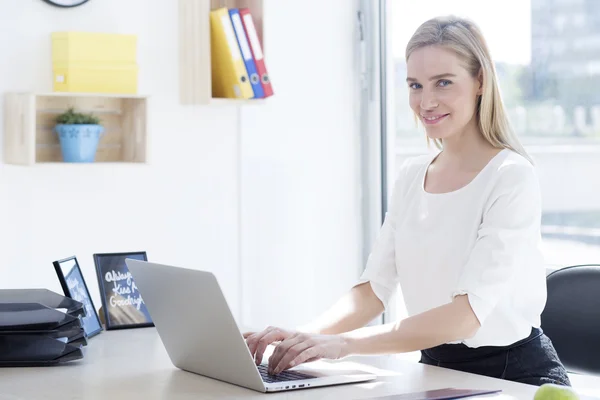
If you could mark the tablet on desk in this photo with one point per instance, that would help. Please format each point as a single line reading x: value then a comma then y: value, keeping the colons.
x: 439, y: 394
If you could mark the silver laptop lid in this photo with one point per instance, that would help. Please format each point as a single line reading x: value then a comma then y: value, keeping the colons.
x: 195, y: 323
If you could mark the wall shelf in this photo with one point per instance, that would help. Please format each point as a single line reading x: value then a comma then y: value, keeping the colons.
x: 29, y: 137
x: 194, y: 47
x: 229, y: 102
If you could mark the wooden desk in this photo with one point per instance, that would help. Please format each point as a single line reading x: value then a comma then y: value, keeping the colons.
x: 133, y: 364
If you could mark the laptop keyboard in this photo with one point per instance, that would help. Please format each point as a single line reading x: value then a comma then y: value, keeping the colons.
x: 283, y: 376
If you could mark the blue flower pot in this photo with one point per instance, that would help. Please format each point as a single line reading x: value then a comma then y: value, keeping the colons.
x: 79, y: 142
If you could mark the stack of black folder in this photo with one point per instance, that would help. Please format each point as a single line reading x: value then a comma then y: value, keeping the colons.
x: 39, y: 327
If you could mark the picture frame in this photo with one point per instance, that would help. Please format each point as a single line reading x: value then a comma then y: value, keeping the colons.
x: 122, y: 304
x: 75, y: 287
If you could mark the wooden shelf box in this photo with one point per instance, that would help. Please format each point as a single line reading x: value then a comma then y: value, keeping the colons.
x: 194, y: 46
x: 29, y: 121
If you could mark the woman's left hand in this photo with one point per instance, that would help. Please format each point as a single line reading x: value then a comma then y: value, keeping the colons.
x: 304, y: 347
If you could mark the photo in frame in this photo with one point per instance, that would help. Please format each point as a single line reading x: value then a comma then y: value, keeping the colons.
x: 122, y: 303
x: 74, y: 286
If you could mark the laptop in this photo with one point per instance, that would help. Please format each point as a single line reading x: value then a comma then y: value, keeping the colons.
x: 200, y: 335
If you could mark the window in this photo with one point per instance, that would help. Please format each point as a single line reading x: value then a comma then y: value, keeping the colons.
x: 547, y: 56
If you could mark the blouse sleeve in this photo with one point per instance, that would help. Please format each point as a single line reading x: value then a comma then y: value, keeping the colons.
x: 380, y: 269
x: 510, y: 226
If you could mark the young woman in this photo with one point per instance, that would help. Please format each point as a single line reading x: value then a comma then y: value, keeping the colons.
x: 461, y: 237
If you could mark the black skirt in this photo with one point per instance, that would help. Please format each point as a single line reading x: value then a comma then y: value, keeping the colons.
x: 532, y: 360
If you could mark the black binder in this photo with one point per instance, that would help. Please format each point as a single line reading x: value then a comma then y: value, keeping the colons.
x: 39, y: 327
x: 37, y: 319
x: 35, y: 350
x: 43, y: 296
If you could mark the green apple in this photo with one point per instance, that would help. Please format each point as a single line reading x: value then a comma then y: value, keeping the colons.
x: 549, y: 391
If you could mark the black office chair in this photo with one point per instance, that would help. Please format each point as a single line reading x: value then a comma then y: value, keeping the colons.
x: 571, y: 318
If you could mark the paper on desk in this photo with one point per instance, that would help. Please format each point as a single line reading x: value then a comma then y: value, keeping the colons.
x: 439, y: 394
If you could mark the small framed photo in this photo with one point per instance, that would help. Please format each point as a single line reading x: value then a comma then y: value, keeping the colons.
x: 122, y: 304
x: 74, y: 286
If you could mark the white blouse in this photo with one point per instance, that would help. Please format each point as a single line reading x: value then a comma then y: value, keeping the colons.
x: 482, y: 240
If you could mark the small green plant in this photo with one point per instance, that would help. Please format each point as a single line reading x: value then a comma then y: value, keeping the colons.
x: 70, y: 117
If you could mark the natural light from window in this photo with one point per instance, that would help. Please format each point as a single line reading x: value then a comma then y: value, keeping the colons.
x: 547, y: 55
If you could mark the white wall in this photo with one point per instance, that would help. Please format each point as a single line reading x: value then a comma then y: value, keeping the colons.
x: 301, y: 243
x: 300, y: 187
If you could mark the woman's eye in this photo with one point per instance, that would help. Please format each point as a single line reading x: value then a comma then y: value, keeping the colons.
x: 414, y: 86
x: 444, y: 83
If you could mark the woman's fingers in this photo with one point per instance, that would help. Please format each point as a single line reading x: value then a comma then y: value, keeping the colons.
x: 253, y: 339
x: 282, y: 349
x: 310, y: 353
x: 281, y: 360
x: 274, y: 335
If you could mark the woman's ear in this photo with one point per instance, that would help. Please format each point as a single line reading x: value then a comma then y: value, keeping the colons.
x: 480, y: 80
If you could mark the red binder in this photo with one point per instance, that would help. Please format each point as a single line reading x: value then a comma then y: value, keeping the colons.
x: 257, y: 52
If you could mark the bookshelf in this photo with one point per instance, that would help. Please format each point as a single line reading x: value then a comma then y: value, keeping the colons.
x: 29, y: 137
x: 195, y: 86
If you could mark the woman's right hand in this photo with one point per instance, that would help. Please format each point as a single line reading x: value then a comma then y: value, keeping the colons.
x: 258, y: 341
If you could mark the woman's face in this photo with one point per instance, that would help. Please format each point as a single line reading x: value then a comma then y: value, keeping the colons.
x: 442, y: 92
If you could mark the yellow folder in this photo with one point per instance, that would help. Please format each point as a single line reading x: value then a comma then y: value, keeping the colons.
x: 94, y: 62
x: 229, y: 75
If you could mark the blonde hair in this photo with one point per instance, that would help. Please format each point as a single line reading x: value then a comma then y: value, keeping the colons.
x: 466, y: 40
